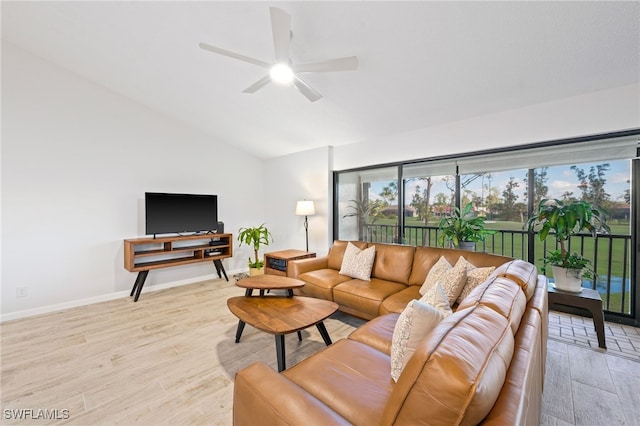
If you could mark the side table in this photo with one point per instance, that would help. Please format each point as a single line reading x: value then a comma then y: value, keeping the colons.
x: 276, y: 262
x: 588, y: 299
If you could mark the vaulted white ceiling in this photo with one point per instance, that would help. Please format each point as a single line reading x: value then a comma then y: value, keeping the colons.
x: 421, y: 63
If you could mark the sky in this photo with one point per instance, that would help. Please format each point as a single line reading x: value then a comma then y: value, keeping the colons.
x: 559, y: 180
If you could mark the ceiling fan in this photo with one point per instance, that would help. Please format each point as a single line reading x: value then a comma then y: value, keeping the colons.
x: 283, y: 71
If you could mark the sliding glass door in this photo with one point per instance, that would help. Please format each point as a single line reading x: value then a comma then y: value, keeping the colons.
x: 404, y: 203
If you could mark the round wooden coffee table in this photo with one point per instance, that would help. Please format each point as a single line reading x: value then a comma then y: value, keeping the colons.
x: 280, y: 315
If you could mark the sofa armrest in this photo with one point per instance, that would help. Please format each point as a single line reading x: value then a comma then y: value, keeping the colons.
x: 300, y: 266
x: 262, y: 396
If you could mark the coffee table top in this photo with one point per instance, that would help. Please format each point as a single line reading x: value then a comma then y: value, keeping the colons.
x: 269, y: 282
x: 281, y: 315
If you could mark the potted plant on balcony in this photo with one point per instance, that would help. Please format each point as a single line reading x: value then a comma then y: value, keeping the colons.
x: 255, y: 237
x: 463, y: 230
x: 565, y: 220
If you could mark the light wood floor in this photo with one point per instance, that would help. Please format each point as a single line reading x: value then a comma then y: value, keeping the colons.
x: 170, y: 358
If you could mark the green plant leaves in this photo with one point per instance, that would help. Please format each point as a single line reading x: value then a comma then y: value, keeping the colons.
x: 566, y: 220
x: 462, y: 227
x: 256, y: 237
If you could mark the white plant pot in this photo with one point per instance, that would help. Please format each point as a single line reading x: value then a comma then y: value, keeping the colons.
x: 567, y: 279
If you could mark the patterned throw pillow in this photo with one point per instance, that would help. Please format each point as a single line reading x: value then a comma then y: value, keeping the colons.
x: 357, y: 263
x: 414, y: 323
x: 475, y: 277
x: 436, y: 297
x: 438, y: 270
x: 452, y: 279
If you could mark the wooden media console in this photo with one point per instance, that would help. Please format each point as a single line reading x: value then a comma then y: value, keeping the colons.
x: 144, y: 254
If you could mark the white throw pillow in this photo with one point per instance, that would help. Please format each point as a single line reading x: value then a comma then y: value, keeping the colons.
x: 357, y: 263
x: 436, y: 297
x: 414, y: 323
x: 451, y: 278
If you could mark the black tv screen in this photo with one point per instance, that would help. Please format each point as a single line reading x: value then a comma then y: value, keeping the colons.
x: 180, y: 213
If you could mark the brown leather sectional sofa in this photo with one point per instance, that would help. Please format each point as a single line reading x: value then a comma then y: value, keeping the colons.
x: 483, y: 364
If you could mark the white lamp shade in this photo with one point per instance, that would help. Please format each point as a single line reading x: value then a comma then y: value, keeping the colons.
x: 305, y: 208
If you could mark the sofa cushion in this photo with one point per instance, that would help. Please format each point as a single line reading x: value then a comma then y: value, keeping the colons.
x: 377, y: 333
x: 348, y: 376
x: 415, y: 322
x: 456, y: 373
x: 357, y: 263
x: 320, y: 283
x: 426, y: 257
x: 365, y: 296
x: 423, y: 260
x: 503, y: 296
x: 397, y: 301
x: 336, y: 252
x: 393, y: 262
x: 523, y: 273
x: 436, y: 297
x: 475, y: 277
x: 515, y: 406
x: 263, y: 396
x: 451, y: 278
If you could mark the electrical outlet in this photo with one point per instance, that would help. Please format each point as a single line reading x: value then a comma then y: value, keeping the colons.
x: 21, y: 292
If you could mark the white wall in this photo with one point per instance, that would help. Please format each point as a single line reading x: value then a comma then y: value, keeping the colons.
x: 76, y: 161
x: 598, y: 112
x: 304, y: 175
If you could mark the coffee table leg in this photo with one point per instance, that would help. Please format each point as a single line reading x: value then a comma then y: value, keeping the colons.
x: 280, y: 352
x: 239, y: 330
x: 323, y: 332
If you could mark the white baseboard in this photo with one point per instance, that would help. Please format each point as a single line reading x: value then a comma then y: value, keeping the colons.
x: 106, y: 297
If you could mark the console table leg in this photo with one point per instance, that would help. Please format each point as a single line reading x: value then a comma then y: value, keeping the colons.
x: 323, y: 332
x: 137, y: 286
x: 239, y: 330
x: 220, y: 268
x: 280, y: 352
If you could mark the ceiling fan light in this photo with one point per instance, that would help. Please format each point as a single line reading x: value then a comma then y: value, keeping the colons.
x: 281, y: 74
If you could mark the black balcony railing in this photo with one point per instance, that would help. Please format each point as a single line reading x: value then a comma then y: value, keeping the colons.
x: 610, y: 255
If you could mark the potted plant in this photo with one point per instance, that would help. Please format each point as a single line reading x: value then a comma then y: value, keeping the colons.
x: 255, y: 237
x: 565, y: 220
x: 463, y: 230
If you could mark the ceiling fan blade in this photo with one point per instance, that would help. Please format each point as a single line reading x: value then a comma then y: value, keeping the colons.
x: 233, y: 55
x: 308, y: 91
x: 338, y: 64
x: 281, y: 28
x: 258, y: 84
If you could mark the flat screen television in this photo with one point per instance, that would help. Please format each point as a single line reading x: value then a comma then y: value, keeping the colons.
x: 180, y: 213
